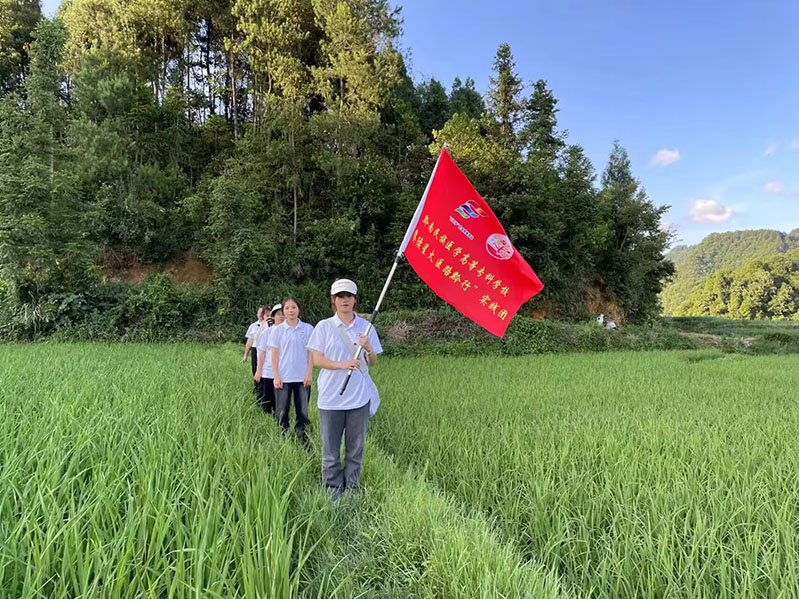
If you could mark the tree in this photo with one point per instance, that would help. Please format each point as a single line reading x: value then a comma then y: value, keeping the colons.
x: 359, y: 65
x: 719, y: 251
x: 465, y: 99
x: 149, y: 36
x: 18, y: 19
x: 539, y: 135
x: 274, y: 36
x: 785, y: 304
x: 585, y: 226
x: 618, y: 172
x: 136, y: 158
x: 477, y: 146
x: 633, y: 265
x: 283, y: 142
x: 434, y: 109
x: 43, y: 250
x: 504, y: 92
x: 400, y: 114
x: 761, y: 288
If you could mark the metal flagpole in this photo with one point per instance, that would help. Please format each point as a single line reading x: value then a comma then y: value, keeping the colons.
x: 400, y: 253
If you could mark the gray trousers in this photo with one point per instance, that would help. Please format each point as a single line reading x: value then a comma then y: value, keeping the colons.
x: 353, y: 424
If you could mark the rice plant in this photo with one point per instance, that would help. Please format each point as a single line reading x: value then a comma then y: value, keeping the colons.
x: 667, y: 474
x: 148, y: 471
x: 140, y: 473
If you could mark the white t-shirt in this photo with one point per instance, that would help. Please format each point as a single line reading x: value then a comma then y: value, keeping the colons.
x: 262, y: 345
x: 252, y: 329
x: 292, y: 353
x: 360, y: 388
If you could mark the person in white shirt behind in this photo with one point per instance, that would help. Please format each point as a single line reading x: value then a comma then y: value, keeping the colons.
x: 333, y: 345
x: 292, y: 367
x: 263, y: 374
x: 250, y: 335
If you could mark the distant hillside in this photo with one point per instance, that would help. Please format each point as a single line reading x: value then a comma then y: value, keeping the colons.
x: 761, y: 288
x: 716, y: 252
x: 679, y: 252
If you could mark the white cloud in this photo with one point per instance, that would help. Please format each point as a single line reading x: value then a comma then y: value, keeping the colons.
x: 708, y: 211
x: 774, y: 187
x: 795, y: 143
x: 666, y: 157
x: 771, y: 149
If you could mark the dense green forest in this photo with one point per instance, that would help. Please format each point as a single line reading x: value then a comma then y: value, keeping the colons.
x: 760, y: 289
x: 281, y: 144
x: 720, y: 252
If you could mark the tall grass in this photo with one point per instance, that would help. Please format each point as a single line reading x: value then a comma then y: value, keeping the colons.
x: 668, y: 474
x: 399, y: 538
x: 147, y: 471
x: 141, y: 473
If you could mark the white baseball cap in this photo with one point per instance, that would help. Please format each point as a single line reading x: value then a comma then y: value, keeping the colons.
x: 275, y: 308
x: 343, y: 285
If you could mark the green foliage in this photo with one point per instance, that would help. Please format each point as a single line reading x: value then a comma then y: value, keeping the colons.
x: 43, y: 251
x: 632, y: 264
x: 160, y: 307
x: 360, y: 65
x: 444, y: 333
x: 434, y: 108
x: 754, y: 337
x: 285, y: 144
x: 539, y: 134
x: 465, y: 99
x: 137, y: 158
x: 18, y: 20
x: 717, y: 252
x: 506, y: 87
x: 762, y: 288
x: 529, y: 336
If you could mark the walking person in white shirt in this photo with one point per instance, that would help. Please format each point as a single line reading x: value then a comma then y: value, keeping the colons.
x: 292, y: 367
x: 333, y: 345
x: 250, y: 335
x: 263, y: 374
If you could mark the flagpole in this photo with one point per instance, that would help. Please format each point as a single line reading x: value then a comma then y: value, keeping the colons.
x: 400, y: 252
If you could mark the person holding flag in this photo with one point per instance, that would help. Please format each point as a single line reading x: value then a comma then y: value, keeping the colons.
x: 334, y: 344
x: 458, y: 247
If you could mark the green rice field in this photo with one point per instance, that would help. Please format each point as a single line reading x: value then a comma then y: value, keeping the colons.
x: 147, y: 471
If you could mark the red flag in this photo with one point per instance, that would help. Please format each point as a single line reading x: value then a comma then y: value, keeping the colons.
x: 457, y: 246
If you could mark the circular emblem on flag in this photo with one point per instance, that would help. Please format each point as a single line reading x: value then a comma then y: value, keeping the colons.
x: 499, y: 246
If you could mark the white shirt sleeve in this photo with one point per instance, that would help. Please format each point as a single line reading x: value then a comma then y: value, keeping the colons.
x: 276, y: 336
x: 375, y: 341
x: 263, y: 340
x: 318, y: 337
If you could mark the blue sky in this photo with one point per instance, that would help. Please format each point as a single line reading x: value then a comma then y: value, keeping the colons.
x: 717, y: 82
x: 703, y: 94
